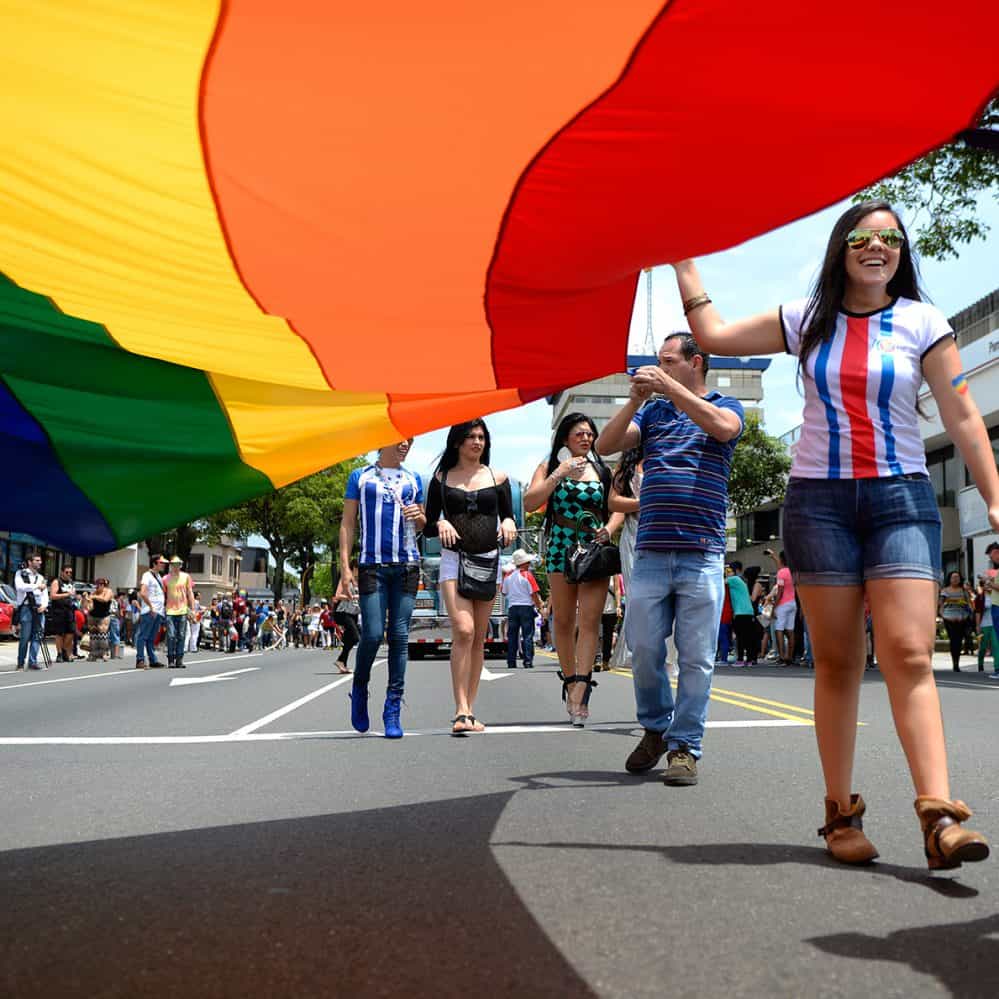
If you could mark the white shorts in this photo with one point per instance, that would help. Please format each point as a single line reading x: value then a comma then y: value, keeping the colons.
x: 785, y: 615
x: 449, y: 566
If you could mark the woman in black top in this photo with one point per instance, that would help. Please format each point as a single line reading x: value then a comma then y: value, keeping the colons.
x: 470, y: 508
x: 99, y: 620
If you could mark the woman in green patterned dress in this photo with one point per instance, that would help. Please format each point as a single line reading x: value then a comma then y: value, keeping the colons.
x: 572, y: 482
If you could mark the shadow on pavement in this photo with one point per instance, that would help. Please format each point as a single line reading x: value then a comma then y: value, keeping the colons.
x: 960, y: 956
x: 395, y: 901
x: 764, y: 854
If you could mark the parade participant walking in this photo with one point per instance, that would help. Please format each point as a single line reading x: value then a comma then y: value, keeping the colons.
x: 785, y: 608
x: 743, y: 618
x: 860, y: 514
x: 688, y: 437
x: 956, y: 611
x: 61, y: 618
x: 574, y: 482
x: 99, y: 620
x: 626, y: 487
x: 32, y: 601
x: 179, y: 605
x: 523, y: 597
x: 346, y: 611
x: 990, y: 616
x: 470, y: 508
x: 194, y: 624
x: 152, y: 600
x: 385, y: 499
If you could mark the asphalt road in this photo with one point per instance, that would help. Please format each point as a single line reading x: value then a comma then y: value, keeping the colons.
x: 233, y: 837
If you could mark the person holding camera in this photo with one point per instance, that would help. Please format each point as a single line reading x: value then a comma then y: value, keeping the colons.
x: 688, y: 434
x: 32, y: 601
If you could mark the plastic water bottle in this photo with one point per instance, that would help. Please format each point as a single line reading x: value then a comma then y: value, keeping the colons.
x: 409, y: 535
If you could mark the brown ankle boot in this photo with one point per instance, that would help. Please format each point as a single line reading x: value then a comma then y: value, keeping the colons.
x: 844, y: 832
x: 947, y: 844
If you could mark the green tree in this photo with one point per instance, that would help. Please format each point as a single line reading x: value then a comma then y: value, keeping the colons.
x: 759, y: 469
x: 299, y: 522
x: 940, y: 192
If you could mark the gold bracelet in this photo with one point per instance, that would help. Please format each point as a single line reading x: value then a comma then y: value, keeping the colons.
x: 695, y: 303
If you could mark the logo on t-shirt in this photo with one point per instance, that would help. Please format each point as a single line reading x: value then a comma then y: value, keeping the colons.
x: 885, y: 344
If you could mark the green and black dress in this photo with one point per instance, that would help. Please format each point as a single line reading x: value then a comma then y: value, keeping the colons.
x: 568, y: 500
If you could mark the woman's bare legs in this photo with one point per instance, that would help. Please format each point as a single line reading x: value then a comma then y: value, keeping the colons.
x: 904, y: 614
x: 835, y: 616
x: 563, y: 597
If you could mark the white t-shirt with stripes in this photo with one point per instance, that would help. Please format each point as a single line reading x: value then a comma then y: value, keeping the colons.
x: 861, y: 389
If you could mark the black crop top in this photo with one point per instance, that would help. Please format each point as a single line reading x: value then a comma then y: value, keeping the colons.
x: 474, y: 513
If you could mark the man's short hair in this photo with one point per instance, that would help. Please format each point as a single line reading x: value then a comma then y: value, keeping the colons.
x: 689, y: 348
x: 735, y: 565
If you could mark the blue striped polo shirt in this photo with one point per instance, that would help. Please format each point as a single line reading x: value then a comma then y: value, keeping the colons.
x: 383, y: 529
x: 684, y: 495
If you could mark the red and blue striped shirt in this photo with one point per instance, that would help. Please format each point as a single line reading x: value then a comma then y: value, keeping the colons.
x: 861, y: 389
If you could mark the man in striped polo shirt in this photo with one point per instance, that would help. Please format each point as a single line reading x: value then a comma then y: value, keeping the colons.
x: 687, y: 434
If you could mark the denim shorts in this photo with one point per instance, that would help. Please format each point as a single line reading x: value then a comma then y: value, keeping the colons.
x: 841, y: 532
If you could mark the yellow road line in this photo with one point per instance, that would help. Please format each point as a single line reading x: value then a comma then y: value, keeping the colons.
x: 762, y: 700
x: 762, y: 711
x: 742, y: 701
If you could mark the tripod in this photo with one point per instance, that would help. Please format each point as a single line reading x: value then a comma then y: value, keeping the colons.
x: 37, y: 629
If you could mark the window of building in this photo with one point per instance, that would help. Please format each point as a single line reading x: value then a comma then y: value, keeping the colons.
x: 196, y: 564
x: 234, y: 569
x: 217, y: 563
x: 946, y: 475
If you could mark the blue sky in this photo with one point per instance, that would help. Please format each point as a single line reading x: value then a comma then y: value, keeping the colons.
x: 746, y: 279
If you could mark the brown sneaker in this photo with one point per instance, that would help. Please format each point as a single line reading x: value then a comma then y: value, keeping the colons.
x: 647, y: 753
x: 681, y: 769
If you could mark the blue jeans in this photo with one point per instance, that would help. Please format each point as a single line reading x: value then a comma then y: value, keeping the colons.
x: 385, y: 591
x: 841, y: 532
x: 520, y: 621
x: 114, y: 632
x: 145, y: 637
x: 686, y: 588
x: 31, y: 635
x: 724, y: 641
x: 176, y: 636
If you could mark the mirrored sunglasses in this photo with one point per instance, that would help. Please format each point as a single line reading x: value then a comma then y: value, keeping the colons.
x: 858, y: 239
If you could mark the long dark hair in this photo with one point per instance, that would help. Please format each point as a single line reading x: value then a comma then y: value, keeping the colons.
x: 625, y: 471
x: 826, y: 297
x: 455, y: 436
x: 560, y: 440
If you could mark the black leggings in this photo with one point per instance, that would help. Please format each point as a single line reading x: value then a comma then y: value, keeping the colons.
x: 746, y: 643
x: 351, y: 634
x: 955, y: 635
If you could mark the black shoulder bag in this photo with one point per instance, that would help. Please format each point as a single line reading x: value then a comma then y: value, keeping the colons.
x: 476, y: 573
x: 592, y: 560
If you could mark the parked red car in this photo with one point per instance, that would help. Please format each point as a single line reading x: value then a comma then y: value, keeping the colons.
x: 7, y: 609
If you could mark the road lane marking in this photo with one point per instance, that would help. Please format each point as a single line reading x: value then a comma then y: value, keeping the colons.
x: 68, y: 679
x: 763, y: 700
x: 288, y: 708
x: 187, y: 681
x: 489, y: 677
x: 233, y: 737
x: 760, y: 710
x: 740, y: 700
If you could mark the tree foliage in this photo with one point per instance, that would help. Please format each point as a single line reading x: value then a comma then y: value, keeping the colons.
x: 759, y: 469
x: 940, y: 193
x: 299, y: 522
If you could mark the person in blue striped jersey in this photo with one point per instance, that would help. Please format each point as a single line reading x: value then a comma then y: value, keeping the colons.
x: 386, y: 500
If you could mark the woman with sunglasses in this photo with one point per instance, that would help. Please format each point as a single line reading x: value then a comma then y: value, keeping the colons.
x: 860, y: 514
x: 574, y: 482
x: 470, y: 508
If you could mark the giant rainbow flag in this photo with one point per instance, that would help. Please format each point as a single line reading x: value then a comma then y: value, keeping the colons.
x: 243, y: 239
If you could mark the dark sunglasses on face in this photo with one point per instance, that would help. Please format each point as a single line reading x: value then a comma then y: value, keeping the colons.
x: 858, y: 239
